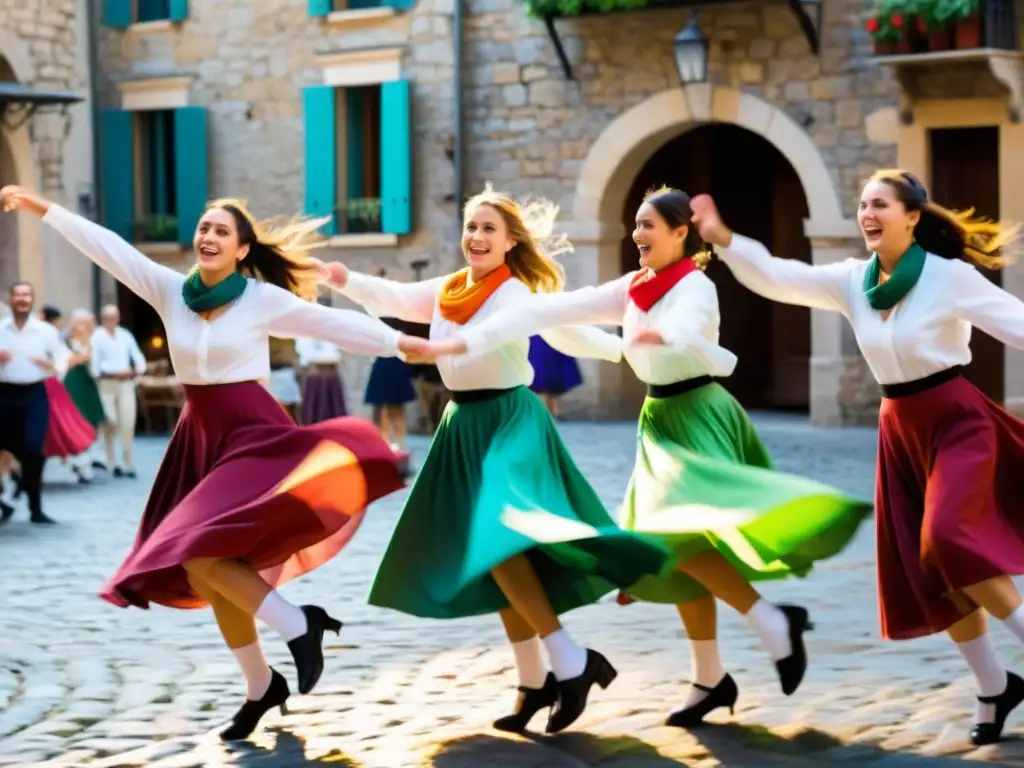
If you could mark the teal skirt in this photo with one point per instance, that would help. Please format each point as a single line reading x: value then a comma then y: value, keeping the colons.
x: 85, y: 394
x: 703, y: 480
x: 498, y: 482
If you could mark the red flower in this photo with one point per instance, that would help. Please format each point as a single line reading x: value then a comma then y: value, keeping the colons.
x: 896, y: 20
x: 872, y: 25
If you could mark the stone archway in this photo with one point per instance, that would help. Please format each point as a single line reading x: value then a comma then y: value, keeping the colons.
x: 612, y: 164
x: 16, y: 65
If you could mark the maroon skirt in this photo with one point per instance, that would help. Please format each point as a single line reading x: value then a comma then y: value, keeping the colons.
x: 240, y: 480
x: 948, y: 504
x: 67, y: 432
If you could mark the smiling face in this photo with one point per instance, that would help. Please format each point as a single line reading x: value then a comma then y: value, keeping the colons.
x: 660, y: 245
x: 21, y: 299
x: 485, y: 239
x: 887, y: 225
x: 216, y: 242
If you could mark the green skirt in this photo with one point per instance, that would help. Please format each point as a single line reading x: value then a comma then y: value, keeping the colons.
x: 703, y: 480
x: 492, y: 464
x: 85, y: 394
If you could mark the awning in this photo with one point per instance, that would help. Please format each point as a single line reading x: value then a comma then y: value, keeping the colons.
x: 23, y: 100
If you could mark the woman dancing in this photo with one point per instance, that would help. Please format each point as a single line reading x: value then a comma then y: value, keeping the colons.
x: 80, y: 384
x: 244, y: 500
x: 703, y: 480
x: 947, y: 494
x: 498, y: 448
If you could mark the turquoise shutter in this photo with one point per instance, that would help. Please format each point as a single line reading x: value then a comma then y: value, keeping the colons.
x: 321, y: 155
x: 179, y: 10
x: 117, y: 13
x: 117, y: 176
x: 398, y: 5
x: 395, y: 158
x: 191, y: 174
x: 320, y: 7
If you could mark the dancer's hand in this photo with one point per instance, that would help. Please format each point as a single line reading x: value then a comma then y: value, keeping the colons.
x: 335, y: 273
x: 5, y: 356
x: 709, y: 221
x: 436, y: 349
x: 650, y: 336
x: 15, y: 198
x: 43, y: 363
x: 413, y: 347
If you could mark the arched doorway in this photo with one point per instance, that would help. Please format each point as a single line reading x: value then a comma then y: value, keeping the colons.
x: 760, y: 195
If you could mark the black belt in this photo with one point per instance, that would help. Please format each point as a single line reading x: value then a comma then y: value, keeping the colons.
x: 908, y: 388
x: 466, y: 396
x: 280, y: 366
x: 661, y: 391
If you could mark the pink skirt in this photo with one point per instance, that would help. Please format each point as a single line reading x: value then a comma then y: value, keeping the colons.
x: 948, y: 504
x: 67, y: 432
x: 240, y: 480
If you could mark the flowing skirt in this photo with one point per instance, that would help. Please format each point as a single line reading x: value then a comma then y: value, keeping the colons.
x: 703, y: 480
x: 322, y: 397
x: 554, y: 373
x: 948, y: 494
x: 67, y: 432
x: 85, y: 394
x: 390, y: 383
x: 240, y: 480
x: 496, y: 462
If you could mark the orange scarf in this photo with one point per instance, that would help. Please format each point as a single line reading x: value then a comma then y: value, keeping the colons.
x: 459, y: 303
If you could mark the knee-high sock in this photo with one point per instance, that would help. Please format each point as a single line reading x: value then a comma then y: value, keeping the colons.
x: 530, y: 662
x: 980, y: 655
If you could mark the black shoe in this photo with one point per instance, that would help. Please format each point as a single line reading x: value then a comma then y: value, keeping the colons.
x: 307, y: 649
x: 40, y: 519
x: 129, y: 473
x: 80, y: 474
x: 99, y: 465
x: 248, y: 717
x: 529, y: 702
x: 722, y: 695
x: 18, y: 489
x: 6, y: 510
x: 117, y: 472
x: 572, y: 694
x: 792, y: 668
x: 1005, y: 702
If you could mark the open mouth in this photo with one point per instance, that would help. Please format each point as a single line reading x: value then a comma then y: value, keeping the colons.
x: 207, y: 250
x: 477, y: 250
x: 872, y: 231
x: 644, y: 249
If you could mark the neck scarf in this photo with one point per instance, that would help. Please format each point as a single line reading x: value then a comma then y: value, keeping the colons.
x: 646, y: 292
x: 903, y: 278
x: 459, y: 303
x: 200, y: 297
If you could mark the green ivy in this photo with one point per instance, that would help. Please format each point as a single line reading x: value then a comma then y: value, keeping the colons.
x: 953, y: 10
x: 541, y: 8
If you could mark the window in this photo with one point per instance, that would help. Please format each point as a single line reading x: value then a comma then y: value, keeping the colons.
x: 121, y: 14
x: 156, y: 192
x: 156, y: 209
x: 327, y: 7
x: 152, y: 10
x: 358, y: 156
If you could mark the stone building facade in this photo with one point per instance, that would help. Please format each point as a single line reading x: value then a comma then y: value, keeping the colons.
x: 281, y: 88
x: 45, y: 44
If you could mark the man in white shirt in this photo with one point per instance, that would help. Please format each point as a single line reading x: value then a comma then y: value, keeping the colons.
x: 30, y: 351
x: 116, y: 361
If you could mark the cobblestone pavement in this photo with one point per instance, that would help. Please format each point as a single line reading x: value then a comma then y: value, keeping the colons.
x: 85, y: 684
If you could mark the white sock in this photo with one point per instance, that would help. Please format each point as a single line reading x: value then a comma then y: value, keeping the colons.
x: 530, y: 664
x: 1015, y: 623
x: 705, y: 669
x: 284, y: 618
x: 772, y: 628
x: 255, y: 668
x: 568, y: 660
x: 980, y: 655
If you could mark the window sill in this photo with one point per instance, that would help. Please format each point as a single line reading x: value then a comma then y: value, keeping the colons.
x: 359, y: 17
x: 151, y: 27
x: 364, y: 240
x: 160, y: 249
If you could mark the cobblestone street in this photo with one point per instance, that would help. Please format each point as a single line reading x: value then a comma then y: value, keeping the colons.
x: 83, y: 683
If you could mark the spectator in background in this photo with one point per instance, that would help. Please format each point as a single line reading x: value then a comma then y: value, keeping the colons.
x: 554, y: 373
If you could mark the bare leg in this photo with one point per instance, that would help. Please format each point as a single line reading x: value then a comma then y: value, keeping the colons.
x: 700, y: 619
x: 999, y: 596
x: 396, y: 416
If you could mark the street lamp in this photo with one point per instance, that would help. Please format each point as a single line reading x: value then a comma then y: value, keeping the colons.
x: 691, y: 50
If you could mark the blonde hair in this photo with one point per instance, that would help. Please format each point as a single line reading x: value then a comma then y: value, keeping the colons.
x: 277, y: 251
x: 531, y: 225
x: 953, y: 234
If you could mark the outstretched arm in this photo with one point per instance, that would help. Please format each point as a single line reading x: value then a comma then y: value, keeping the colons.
x: 413, y: 302
x: 987, y: 306
x: 148, y: 280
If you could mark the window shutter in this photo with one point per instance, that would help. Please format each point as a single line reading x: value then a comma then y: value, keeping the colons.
x: 399, y: 5
x: 191, y: 174
x: 117, y: 190
x: 396, y: 158
x: 117, y: 13
x: 320, y: 7
x: 179, y: 10
x: 320, y: 116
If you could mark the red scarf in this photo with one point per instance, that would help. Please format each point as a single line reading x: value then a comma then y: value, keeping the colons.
x: 646, y: 291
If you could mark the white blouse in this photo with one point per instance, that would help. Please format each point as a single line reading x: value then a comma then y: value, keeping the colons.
x: 687, y: 317
x: 234, y: 346
x: 316, y: 352
x: 927, y: 332
x: 502, y: 368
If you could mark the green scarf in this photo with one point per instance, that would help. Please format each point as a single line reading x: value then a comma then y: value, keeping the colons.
x: 202, y: 298
x: 903, y: 278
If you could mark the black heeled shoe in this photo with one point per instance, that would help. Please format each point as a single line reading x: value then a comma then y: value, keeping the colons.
x: 792, y: 668
x: 529, y: 702
x: 307, y: 649
x: 248, y: 717
x: 1005, y: 703
x: 572, y: 693
x: 6, y: 510
x: 722, y: 695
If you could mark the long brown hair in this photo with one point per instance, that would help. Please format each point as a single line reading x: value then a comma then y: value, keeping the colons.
x: 952, y: 234
x: 531, y: 225
x: 277, y: 252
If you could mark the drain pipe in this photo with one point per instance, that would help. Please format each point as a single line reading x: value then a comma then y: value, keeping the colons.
x: 97, y: 273
x: 458, y: 34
